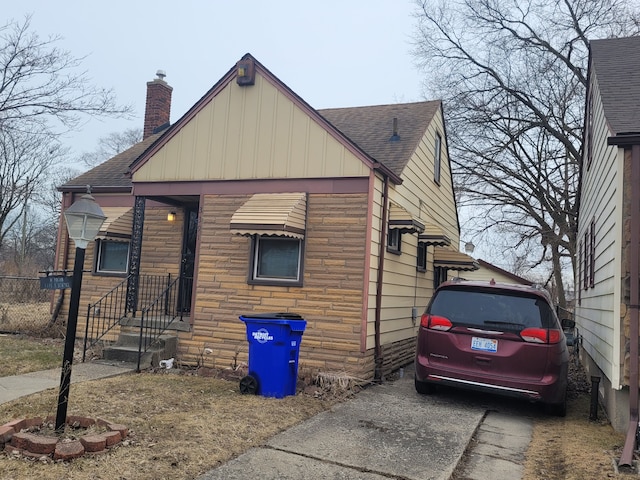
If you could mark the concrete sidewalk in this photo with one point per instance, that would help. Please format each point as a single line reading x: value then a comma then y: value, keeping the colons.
x: 386, y: 431
x: 18, y: 386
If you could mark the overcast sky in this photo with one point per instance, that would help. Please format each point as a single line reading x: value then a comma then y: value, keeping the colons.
x: 333, y: 53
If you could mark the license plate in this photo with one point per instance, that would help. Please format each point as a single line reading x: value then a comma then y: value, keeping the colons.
x: 484, y: 344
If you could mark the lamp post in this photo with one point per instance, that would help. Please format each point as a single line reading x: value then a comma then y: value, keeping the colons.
x: 84, y: 219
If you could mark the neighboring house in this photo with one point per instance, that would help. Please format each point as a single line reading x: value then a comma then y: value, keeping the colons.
x: 487, y: 271
x: 608, y: 238
x: 259, y: 203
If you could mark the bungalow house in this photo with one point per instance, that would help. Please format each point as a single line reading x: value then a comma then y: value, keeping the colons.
x: 607, y: 291
x: 254, y: 202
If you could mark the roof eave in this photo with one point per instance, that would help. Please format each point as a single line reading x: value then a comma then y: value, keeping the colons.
x: 94, y: 189
x: 624, y: 139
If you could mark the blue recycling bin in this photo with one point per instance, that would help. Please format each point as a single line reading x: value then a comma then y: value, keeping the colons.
x: 274, y: 346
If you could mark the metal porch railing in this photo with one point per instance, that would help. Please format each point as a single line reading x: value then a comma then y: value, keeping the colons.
x: 161, y: 313
x: 153, y: 290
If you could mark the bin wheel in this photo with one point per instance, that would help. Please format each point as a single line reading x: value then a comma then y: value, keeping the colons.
x: 248, y: 385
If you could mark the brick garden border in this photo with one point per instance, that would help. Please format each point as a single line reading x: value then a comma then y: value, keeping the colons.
x: 15, y: 437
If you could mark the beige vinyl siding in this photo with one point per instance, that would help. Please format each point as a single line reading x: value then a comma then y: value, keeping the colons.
x: 598, y: 313
x: 404, y: 287
x: 249, y: 133
x: 435, y: 203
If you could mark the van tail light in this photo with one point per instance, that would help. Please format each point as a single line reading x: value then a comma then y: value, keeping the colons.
x: 435, y: 322
x: 541, y: 335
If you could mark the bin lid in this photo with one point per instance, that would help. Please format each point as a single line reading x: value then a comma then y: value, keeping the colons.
x: 273, y: 316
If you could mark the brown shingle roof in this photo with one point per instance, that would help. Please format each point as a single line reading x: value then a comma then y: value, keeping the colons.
x: 372, y: 127
x: 616, y: 62
x: 111, y: 174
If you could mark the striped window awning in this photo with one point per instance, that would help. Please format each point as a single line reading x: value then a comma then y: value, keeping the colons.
x: 452, y: 260
x: 434, y: 235
x: 119, y: 222
x: 401, y: 219
x: 276, y: 214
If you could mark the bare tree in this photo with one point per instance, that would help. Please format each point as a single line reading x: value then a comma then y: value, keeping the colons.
x: 26, y: 161
x: 42, y: 95
x: 111, y: 145
x: 512, y: 75
x: 40, y: 83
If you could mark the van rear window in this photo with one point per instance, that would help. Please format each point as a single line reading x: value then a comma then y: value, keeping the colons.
x: 499, y: 310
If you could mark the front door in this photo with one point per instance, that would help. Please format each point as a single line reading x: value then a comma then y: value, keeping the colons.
x: 188, y: 259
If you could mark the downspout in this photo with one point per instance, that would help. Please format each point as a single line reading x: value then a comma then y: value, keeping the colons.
x: 377, y: 376
x: 626, y: 459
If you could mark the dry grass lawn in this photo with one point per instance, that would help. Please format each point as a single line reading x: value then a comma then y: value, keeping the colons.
x: 182, y: 424
x: 574, y: 448
x: 21, y: 354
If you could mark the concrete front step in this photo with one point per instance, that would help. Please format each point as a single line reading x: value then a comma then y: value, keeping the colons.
x: 157, y: 322
x: 126, y: 350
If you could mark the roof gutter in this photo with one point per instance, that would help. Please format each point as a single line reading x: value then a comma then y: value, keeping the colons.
x: 388, y: 174
x: 95, y: 189
x: 633, y: 141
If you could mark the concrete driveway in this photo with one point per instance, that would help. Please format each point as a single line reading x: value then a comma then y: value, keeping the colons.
x: 390, y: 431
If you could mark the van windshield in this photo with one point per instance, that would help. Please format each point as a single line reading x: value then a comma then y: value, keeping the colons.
x: 492, y: 309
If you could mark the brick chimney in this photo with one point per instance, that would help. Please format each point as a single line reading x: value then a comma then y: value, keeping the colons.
x: 158, y: 108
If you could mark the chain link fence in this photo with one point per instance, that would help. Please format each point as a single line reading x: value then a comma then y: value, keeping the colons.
x: 24, y: 307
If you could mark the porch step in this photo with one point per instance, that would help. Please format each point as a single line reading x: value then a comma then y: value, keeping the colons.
x: 176, y: 324
x: 126, y: 350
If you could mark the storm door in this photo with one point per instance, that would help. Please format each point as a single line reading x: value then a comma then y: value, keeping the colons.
x: 187, y: 265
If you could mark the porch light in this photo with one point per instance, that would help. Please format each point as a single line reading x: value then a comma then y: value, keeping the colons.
x: 84, y: 219
x: 171, y: 217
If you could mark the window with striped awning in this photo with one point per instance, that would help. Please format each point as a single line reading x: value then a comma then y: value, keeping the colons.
x: 452, y: 260
x: 275, y: 214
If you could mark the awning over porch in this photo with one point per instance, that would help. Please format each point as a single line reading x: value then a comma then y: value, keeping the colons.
x: 401, y: 219
x: 453, y: 260
x: 433, y: 235
x: 278, y: 214
x: 119, y: 222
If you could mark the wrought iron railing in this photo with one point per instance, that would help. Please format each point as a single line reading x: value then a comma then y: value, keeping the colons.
x: 160, y: 314
x: 104, y: 315
x: 161, y: 296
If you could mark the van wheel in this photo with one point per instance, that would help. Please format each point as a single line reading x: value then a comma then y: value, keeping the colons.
x: 424, y: 388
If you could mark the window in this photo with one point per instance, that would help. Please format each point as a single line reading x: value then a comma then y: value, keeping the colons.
x: 437, y: 159
x: 580, y: 267
x: 592, y: 255
x: 112, y: 256
x: 276, y: 260
x: 421, y: 264
x: 473, y: 307
x: 587, y: 257
x: 589, y: 131
x: 439, y: 276
x: 394, y: 241
x: 585, y: 271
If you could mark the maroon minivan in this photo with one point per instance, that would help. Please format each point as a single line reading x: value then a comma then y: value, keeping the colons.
x: 493, y: 337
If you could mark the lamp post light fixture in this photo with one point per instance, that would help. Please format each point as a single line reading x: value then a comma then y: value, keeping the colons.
x: 469, y: 247
x: 84, y: 219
